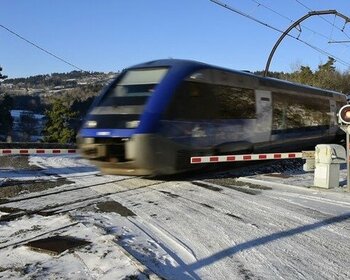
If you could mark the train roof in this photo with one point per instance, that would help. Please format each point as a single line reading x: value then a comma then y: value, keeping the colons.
x: 263, y: 81
x: 171, y: 62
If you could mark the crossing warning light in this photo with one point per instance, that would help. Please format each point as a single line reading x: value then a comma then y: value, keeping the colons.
x: 344, y: 115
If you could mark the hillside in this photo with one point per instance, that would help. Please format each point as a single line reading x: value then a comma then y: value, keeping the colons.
x: 35, y: 93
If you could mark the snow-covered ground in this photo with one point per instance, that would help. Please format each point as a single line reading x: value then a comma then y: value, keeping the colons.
x: 256, y: 227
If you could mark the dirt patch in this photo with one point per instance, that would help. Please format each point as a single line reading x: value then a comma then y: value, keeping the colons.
x: 152, y: 202
x: 10, y: 210
x: 252, y: 186
x: 234, y: 216
x: 57, y: 244
x: 11, y: 188
x: 245, y: 273
x: 113, y: 206
x: 232, y: 183
x: 206, y: 186
x: 17, y: 162
x: 277, y: 175
x: 170, y: 194
x: 244, y: 190
x: 207, y: 205
x: 134, y: 277
x: 11, y: 166
x: 23, y: 231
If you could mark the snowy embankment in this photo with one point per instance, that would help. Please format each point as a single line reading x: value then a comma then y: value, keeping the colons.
x: 209, y: 229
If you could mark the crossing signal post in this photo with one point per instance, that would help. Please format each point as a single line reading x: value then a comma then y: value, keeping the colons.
x: 344, y: 121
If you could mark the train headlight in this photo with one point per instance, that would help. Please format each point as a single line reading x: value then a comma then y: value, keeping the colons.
x: 344, y: 115
x: 132, y: 124
x: 91, y: 124
x: 89, y: 140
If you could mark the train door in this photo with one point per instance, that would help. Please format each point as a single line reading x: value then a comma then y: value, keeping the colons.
x: 263, y: 115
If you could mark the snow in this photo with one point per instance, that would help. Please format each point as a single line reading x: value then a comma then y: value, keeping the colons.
x: 100, y: 259
x: 16, y: 114
x: 178, y: 229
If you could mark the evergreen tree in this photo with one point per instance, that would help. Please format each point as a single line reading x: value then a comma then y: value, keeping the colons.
x: 28, y: 125
x: 2, y: 77
x: 326, y: 76
x: 57, y: 126
x: 6, y: 104
x: 305, y: 75
x: 6, y: 120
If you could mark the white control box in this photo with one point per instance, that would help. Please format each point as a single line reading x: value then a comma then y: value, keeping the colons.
x: 327, y: 165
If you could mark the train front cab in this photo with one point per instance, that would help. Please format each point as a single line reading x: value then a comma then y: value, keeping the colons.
x: 109, y: 137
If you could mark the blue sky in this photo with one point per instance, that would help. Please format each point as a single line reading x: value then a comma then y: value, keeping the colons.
x: 109, y: 35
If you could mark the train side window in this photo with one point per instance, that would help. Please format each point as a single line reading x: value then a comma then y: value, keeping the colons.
x: 235, y: 103
x: 293, y: 111
x: 279, y: 111
x: 192, y: 101
x: 201, y: 101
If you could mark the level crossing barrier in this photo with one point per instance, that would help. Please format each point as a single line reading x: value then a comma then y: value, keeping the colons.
x: 6, y: 152
x: 252, y: 157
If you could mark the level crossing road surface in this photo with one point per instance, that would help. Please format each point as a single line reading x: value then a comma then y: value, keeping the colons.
x: 268, y: 226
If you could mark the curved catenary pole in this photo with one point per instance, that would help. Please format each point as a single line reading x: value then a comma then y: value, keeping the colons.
x: 295, y: 24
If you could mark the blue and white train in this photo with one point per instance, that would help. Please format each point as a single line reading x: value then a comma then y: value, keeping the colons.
x: 154, y: 116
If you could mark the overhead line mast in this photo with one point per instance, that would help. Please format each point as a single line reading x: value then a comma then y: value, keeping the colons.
x: 303, y: 26
x: 330, y: 23
x: 295, y: 24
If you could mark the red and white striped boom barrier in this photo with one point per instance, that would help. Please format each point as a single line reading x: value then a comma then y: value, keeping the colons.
x: 250, y: 157
x: 5, y: 152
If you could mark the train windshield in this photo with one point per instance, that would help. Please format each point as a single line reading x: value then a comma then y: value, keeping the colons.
x: 127, y: 98
x: 136, y: 83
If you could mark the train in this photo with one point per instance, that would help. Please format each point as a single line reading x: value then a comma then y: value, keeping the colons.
x: 154, y: 116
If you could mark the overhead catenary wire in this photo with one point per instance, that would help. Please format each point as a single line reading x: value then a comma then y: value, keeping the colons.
x: 272, y: 10
x: 40, y: 48
x: 345, y: 63
x: 324, y: 19
x: 291, y: 20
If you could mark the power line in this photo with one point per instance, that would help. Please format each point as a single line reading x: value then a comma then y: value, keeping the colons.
x: 339, y: 42
x: 40, y: 48
x: 280, y: 31
x: 270, y: 9
x: 245, y: 15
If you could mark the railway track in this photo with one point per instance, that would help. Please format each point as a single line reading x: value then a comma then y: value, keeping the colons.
x: 16, y: 212
x: 16, y: 207
x: 179, y: 223
x: 7, y: 201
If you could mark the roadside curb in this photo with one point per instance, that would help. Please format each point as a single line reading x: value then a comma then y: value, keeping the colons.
x: 268, y: 183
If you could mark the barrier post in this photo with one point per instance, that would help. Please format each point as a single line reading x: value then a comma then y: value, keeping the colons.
x: 327, y: 160
x: 344, y: 121
x: 347, y: 158
x: 309, y: 164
